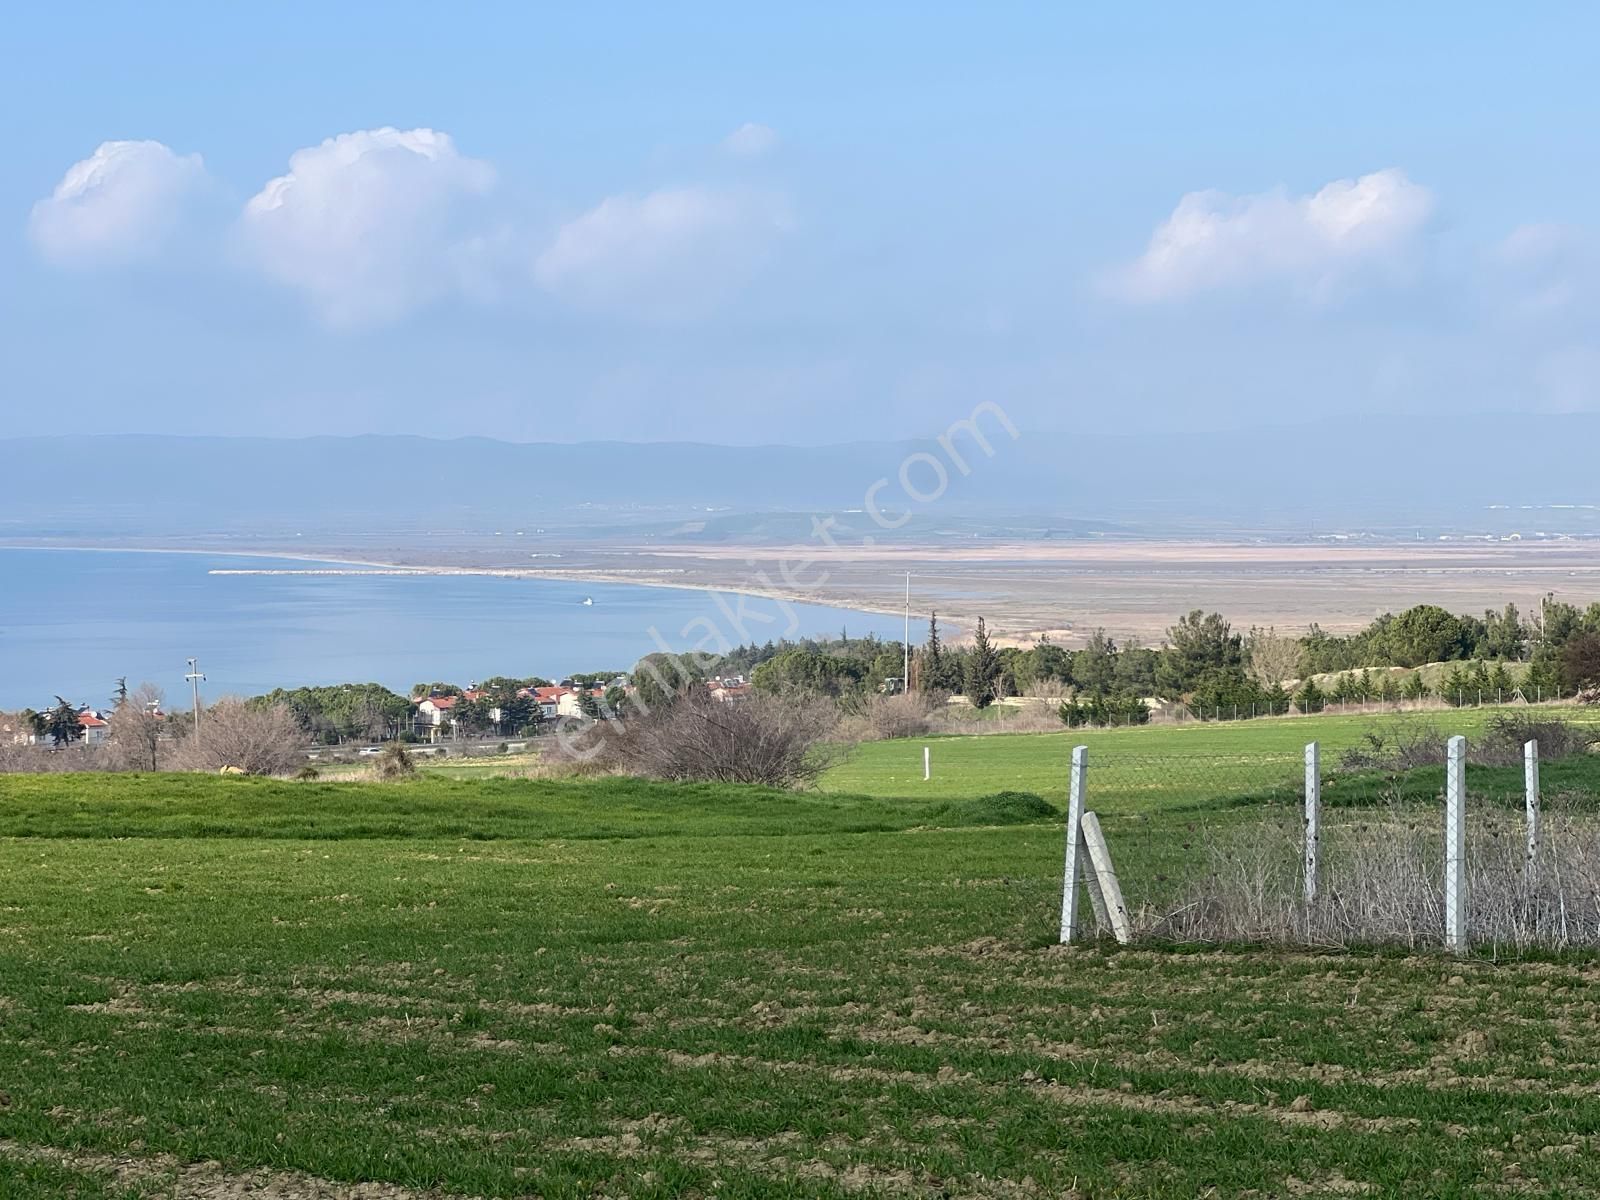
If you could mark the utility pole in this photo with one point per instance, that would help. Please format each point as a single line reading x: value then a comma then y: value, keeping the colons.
x: 905, y: 679
x: 195, y: 679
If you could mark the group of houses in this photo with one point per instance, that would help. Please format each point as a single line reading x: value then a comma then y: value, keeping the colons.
x: 435, y: 714
x: 94, y: 729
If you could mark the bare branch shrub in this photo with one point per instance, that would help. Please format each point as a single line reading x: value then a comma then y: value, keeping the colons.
x: 257, y: 741
x: 395, y: 763
x: 1383, y: 884
x: 138, y: 731
x: 1396, y: 746
x: 771, y: 740
x: 40, y: 760
x: 1004, y: 718
x: 1507, y: 733
x: 908, y: 714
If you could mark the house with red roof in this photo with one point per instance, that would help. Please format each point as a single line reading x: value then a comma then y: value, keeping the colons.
x: 96, y: 729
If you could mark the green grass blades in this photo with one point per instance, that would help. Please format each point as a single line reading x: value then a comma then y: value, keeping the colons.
x: 612, y: 988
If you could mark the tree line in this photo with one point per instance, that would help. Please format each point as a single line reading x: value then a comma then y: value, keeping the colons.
x: 1203, y: 662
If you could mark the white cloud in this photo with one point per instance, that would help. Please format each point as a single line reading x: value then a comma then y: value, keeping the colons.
x: 1312, y: 243
x: 672, y: 253
x: 1543, y: 272
x: 118, y: 205
x: 373, y: 224
x: 751, y: 140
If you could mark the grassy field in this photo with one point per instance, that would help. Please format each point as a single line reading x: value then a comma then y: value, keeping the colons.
x: 1144, y: 768
x: 217, y: 988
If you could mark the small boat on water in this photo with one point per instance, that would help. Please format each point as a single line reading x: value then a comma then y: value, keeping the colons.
x: 588, y: 600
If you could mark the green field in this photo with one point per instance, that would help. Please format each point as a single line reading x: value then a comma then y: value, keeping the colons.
x: 1135, y: 769
x: 216, y: 988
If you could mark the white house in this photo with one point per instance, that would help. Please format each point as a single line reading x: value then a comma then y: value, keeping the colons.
x: 96, y: 729
x: 434, y: 711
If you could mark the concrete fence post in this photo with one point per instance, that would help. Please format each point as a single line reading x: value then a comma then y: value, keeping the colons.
x: 1313, y: 819
x: 1455, y: 846
x: 1530, y: 786
x: 1074, y: 866
x: 1105, y: 878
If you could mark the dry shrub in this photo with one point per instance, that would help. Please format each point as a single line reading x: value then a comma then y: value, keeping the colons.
x: 257, y: 741
x: 395, y: 763
x: 1382, y: 883
x: 40, y: 760
x: 1396, y: 746
x: 1007, y: 718
x: 1507, y: 733
x: 881, y: 717
x: 1405, y: 745
x: 770, y: 740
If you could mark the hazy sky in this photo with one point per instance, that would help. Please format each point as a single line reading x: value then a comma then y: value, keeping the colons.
x: 728, y: 224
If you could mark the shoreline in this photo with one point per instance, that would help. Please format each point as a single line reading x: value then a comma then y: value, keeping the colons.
x: 560, y: 574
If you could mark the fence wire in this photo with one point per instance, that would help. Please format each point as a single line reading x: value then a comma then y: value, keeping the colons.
x: 1213, y: 848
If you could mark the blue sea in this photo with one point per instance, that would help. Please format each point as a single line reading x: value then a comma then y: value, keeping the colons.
x: 74, y: 621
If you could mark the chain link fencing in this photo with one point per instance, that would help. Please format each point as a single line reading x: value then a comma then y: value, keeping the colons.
x: 1224, y: 848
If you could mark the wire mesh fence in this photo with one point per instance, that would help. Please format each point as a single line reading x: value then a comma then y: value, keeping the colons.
x: 1226, y: 848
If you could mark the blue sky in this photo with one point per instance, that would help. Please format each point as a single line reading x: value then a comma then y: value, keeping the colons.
x: 737, y: 225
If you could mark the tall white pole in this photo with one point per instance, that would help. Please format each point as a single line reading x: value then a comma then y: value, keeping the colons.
x: 1313, y: 819
x: 1530, y: 783
x: 1455, y: 846
x: 905, y: 683
x: 927, y: 764
x: 1074, y: 863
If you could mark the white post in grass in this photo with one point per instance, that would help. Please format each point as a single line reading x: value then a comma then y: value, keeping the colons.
x: 1106, y: 877
x: 927, y: 764
x: 1074, y: 866
x: 1455, y: 846
x: 1530, y: 784
x: 1313, y: 819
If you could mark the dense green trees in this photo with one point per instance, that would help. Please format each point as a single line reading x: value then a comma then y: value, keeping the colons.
x: 660, y: 678
x: 812, y: 671
x: 367, y: 711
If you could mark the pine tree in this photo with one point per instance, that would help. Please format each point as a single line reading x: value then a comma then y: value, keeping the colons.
x: 932, y: 658
x: 1310, y: 698
x: 983, y: 668
x: 62, y: 723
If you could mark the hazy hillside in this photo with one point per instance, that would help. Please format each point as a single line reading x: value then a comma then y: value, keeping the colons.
x: 1394, y: 474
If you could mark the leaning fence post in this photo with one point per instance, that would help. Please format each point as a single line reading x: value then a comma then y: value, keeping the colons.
x: 1313, y: 819
x: 1530, y: 784
x: 1455, y: 846
x: 1105, y: 876
x: 1074, y: 866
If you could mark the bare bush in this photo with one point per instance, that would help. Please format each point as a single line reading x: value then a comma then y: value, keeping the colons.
x: 1507, y: 733
x: 1396, y: 746
x: 40, y: 760
x: 1403, y: 745
x: 1024, y: 717
x: 908, y: 714
x: 395, y: 763
x: 138, y: 731
x: 771, y: 740
x: 257, y: 741
x: 1383, y: 884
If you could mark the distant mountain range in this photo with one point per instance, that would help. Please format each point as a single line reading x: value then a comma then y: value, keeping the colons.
x: 1393, y: 474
